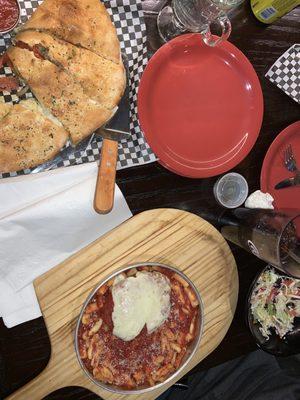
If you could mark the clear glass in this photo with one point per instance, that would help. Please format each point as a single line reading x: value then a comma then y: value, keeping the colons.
x: 231, y: 190
x: 271, y: 235
x: 227, y: 5
x: 193, y: 16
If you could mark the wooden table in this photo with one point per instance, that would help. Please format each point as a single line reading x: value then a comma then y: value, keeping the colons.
x: 25, y: 349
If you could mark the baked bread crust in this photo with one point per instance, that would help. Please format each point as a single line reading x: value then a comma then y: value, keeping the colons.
x: 28, y: 137
x: 84, y: 23
x: 60, y: 93
x: 68, y: 53
x: 101, y: 79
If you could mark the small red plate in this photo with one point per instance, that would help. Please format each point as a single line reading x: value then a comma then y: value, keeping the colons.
x: 200, y: 107
x: 274, y: 171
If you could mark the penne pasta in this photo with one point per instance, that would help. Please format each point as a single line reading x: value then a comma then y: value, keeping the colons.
x: 169, y: 334
x: 179, y: 293
x: 91, y: 308
x: 169, y: 356
x: 161, y: 373
x: 145, y: 268
x: 151, y: 380
x: 110, y: 282
x: 179, y: 357
x: 175, y: 347
x: 83, y: 353
x: 95, y: 360
x: 174, y: 359
x: 85, y: 335
x: 181, y: 280
x: 85, y: 319
x: 158, y: 360
x: 192, y: 297
x: 103, y: 289
x: 164, y: 344
x: 104, y: 374
x: 96, y: 327
x: 131, y: 272
x: 157, y: 268
x: 90, y: 352
x: 139, y: 377
x: 192, y: 326
x: 189, y: 338
x: 100, y: 301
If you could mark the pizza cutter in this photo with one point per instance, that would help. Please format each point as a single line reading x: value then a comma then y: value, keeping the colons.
x: 115, y: 130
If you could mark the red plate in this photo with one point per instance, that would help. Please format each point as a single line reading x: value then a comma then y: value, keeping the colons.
x: 200, y: 107
x: 274, y: 171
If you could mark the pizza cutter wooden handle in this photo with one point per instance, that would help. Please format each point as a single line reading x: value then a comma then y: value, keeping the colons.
x: 105, y: 186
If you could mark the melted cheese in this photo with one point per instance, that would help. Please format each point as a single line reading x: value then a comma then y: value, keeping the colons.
x: 139, y: 300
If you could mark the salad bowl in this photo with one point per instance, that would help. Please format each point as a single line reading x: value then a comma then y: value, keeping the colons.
x: 273, y: 312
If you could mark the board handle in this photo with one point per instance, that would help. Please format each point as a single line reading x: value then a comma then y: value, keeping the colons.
x: 38, y: 388
x: 105, y: 186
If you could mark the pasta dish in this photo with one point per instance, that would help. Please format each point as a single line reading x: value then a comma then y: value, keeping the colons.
x: 136, y: 329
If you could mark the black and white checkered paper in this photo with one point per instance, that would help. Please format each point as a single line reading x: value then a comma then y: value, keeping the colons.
x: 128, y: 19
x: 285, y: 72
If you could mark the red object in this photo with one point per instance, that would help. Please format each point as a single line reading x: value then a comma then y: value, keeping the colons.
x: 9, y: 14
x: 8, y: 83
x: 35, y: 48
x: 4, y: 60
x: 274, y: 171
x: 200, y: 107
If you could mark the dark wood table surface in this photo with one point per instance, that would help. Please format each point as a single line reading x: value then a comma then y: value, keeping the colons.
x: 25, y: 349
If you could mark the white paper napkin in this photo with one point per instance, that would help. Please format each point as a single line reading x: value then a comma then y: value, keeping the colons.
x: 44, y: 219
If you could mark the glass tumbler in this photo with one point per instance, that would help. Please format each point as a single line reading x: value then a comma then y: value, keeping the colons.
x: 228, y: 5
x: 193, y: 16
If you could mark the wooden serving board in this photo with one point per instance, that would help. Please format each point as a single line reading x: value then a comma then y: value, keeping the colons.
x: 168, y: 236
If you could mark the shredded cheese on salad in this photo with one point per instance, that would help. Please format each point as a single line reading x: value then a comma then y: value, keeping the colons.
x: 275, y: 303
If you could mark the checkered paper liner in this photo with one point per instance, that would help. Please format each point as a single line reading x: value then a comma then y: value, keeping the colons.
x: 128, y: 19
x: 285, y: 72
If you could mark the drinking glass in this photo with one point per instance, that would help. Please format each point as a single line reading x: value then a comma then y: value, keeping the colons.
x: 227, y: 5
x: 270, y: 235
x: 193, y: 16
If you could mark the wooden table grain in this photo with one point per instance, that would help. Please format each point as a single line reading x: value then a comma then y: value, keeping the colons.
x: 25, y: 349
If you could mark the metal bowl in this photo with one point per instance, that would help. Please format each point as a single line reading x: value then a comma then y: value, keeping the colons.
x: 193, y: 346
x: 16, y: 23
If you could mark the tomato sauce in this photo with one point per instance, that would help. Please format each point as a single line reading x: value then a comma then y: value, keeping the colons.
x: 35, y: 48
x: 4, y: 60
x: 9, y: 14
x: 127, y: 357
x: 8, y: 83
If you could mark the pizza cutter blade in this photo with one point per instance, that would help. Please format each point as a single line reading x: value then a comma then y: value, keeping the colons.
x: 115, y: 130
